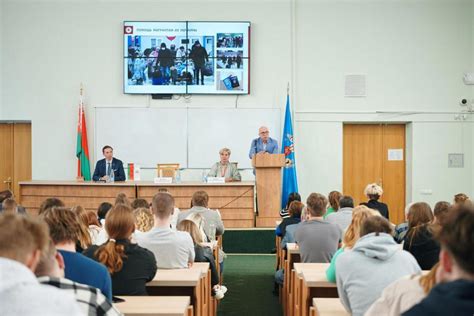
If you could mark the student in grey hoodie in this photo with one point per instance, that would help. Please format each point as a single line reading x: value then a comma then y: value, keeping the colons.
x: 374, y: 262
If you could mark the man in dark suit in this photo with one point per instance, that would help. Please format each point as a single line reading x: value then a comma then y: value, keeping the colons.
x: 104, y: 167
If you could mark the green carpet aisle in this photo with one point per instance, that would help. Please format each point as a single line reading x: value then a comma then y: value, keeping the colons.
x: 249, y: 279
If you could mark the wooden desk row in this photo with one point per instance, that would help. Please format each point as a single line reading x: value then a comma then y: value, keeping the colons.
x: 235, y: 200
x: 306, y: 284
x: 180, y: 292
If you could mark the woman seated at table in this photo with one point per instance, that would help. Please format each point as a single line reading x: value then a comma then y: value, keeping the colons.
x: 224, y: 168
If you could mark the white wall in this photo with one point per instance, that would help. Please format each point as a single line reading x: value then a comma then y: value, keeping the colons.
x: 59, y: 44
x: 413, y: 53
x: 1, y: 61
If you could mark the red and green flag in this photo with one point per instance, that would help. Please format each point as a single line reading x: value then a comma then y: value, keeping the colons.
x: 82, y: 149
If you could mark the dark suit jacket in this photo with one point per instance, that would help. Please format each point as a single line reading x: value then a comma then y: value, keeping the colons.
x: 101, y: 170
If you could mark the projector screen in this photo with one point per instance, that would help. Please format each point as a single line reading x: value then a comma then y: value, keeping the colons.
x: 186, y: 57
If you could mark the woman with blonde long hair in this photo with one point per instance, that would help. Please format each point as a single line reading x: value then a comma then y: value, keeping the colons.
x: 130, y: 265
x: 359, y: 214
x: 203, y: 254
x: 84, y: 237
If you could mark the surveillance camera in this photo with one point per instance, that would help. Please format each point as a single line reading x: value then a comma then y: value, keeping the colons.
x: 463, y: 102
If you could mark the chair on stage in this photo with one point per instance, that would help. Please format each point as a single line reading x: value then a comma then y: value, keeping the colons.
x: 167, y: 170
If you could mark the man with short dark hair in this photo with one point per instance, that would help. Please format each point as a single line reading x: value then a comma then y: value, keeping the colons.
x: 108, y: 167
x: 50, y: 271
x: 317, y: 239
x: 64, y: 227
x: 200, y: 202
x: 374, y: 262
x: 23, y: 241
x: 343, y: 216
x: 172, y: 249
x: 454, y: 294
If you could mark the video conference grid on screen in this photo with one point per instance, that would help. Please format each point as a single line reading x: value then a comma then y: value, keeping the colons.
x: 186, y: 57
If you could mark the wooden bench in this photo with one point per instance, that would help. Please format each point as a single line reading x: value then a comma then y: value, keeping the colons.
x: 315, y: 284
x: 292, y: 256
x: 327, y: 307
x: 180, y: 282
x: 155, y: 305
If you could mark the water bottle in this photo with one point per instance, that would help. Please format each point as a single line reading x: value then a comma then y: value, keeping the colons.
x: 112, y: 176
x: 204, y: 176
x: 178, y: 176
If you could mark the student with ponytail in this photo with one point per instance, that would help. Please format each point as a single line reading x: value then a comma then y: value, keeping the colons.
x: 129, y: 265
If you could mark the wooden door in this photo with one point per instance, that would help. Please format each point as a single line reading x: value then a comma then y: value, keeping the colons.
x: 15, y: 156
x: 366, y: 160
x: 6, y: 157
x: 21, y: 154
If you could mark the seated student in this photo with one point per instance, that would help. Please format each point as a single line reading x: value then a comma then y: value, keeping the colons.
x: 130, y: 265
x: 140, y: 203
x: 343, y: 216
x: 454, y: 293
x: 352, y: 234
x: 50, y: 271
x: 440, y: 212
x: 102, y: 211
x: 373, y: 192
x: 176, y: 211
x: 10, y: 206
x: 403, y: 294
x: 419, y: 240
x: 64, y: 228
x: 203, y: 254
x: 333, y: 197
x: 8, y: 195
x: 374, y: 262
x: 144, y: 220
x: 461, y: 198
x: 172, y: 249
x: 122, y: 198
x: 291, y: 229
x: 23, y: 241
x: 295, y: 217
x: 317, y: 239
x: 294, y: 196
x: 94, y: 226
x: 49, y: 203
x: 200, y: 201
x: 85, y: 237
x: 401, y: 229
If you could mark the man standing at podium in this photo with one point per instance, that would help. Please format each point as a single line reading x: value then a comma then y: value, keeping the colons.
x: 104, y: 167
x: 263, y: 144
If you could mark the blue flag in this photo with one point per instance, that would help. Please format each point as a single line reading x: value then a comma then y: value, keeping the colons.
x: 290, y: 183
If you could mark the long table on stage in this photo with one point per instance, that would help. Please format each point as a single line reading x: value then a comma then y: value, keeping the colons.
x: 234, y: 200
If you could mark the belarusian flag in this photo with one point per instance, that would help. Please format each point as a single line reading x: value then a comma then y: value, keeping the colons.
x: 82, y: 149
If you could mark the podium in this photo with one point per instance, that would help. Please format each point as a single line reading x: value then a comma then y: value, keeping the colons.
x: 268, y: 183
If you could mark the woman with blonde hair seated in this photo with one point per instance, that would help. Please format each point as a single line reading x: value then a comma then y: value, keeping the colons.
x: 359, y: 214
x: 203, y: 254
x: 373, y: 192
x: 224, y: 168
